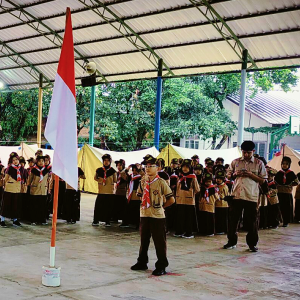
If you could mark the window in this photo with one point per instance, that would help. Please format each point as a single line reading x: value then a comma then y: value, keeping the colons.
x: 234, y: 144
x: 192, y: 145
x: 262, y: 148
x: 187, y: 144
x: 197, y: 145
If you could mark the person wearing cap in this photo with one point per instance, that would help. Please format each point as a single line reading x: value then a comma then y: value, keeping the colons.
x: 286, y: 179
x: 207, y: 159
x: 297, y: 200
x: 195, y: 160
x: 39, y: 152
x: 209, y: 167
x: 12, y: 202
x: 221, y: 205
x: 160, y: 162
x: 187, y: 188
x: 38, y: 182
x: 72, y: 201
x: 106, y: 177
x: 121, y: 190
x: 156, y: 196
x: 273, y: 202
x: 208, y: 197
x: 248, y: 173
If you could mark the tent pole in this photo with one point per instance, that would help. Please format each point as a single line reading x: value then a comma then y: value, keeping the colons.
x: 92, y: 116
x: 242, y: 98
x: 168, y: 154
x: 40, y: 112
x: 158, y: 104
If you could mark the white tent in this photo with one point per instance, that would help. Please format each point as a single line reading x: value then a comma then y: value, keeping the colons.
x: 5, y: 152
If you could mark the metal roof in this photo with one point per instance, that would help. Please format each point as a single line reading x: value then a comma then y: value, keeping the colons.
x: 125, y: 38
x: 275, y: 107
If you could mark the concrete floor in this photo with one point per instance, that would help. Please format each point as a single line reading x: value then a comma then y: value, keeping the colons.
x: 96, y: 264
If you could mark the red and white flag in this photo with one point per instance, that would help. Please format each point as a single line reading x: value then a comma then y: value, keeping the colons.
x: 61, y: 127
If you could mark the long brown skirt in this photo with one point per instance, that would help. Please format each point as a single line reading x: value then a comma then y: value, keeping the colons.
x: 11, y: 205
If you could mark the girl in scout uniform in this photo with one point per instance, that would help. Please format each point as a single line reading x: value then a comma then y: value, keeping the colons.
x: 208, y: 198
x: 12, y: 202
x: 72, y: 201
x: 1, y: 181
x: 286, y: 179
x: 134, y: 201
x: 274, y: 215
x: 161, y: 173
x: 38, y: 182
x: 187, y: 188
x: 25, y: 204
x: 221, y: 206
x: 106, y: 177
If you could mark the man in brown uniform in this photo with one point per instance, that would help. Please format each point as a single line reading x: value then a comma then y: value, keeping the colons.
x: 156, y: 195
x: 248, y: 172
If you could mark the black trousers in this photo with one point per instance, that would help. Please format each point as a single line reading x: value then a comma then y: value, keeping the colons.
x: 170, y: 212
x: 72, y: 205
x: 286, y: 207
x: 221, y: 219
x: 157, y: 229
x: 274, y: 215
x: 185, y: 215
x: 297, y: 209
x: 236, y: 210
x: 206, y: 222
x: 263, y: 217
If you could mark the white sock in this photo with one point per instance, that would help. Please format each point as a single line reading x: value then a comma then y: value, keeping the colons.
x: 2, y: 219
x: 15, y: 220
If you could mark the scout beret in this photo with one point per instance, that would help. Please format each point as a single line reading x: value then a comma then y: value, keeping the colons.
x: 186, y: 162
x: 39, y: 157
x: 207, y: 159
x: 121, y: 161
x: 195, y: 156
x: 210, y: 162
x: 22, y: 160
x: 198, y: 167
x: 148, y: 159
x: 220, y: 174
x: 220, y: 159
x: 106, y: 156
x: 31, y: 159
x: 248, y: 146
x: 207, y: 176
x: 14, y: 154
x: 174, y: 161
x: 38, y: 152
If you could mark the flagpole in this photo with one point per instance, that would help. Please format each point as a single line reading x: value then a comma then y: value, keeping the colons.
x: 54, y: 220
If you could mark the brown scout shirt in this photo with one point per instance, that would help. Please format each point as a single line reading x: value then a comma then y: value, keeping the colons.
x: 159, y: 192
x: 12, y: 185
x: 245, y: 188
x: 187, y: 197
x: 223, y: 192
x: 36, y: 187
x: 121, y: 190
x: 108, y: 188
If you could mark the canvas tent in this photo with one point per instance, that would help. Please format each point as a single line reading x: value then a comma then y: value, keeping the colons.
x: 90, y: 158
x: 5, y: 151
x: 171, y: 151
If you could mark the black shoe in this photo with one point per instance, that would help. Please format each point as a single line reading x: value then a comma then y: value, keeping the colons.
x: 73, y: 222
x: 3, y: 224
x: 285, y: 225
x: 17, y: 223
x: 229, y: 246
x: 253, y: 249
x: 107, y: 224
x: 139, y: 267
x: 95, y: 223
x: 159, y: 272
x: 123, y: 225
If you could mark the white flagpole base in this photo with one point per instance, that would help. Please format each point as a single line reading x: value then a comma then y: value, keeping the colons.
x: 51, y: 274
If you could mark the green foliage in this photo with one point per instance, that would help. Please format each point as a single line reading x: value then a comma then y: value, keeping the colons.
x: 262, y: 129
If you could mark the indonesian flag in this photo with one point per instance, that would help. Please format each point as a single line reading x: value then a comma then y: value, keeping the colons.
x: 61, y: 127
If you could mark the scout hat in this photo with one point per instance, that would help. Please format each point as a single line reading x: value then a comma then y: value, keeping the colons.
x: 220, y: 159
x: 48, y: 156
x: 207, y: 176
x: 207, y: 159
x: 38, y: 152
x: 248, y: 146
x: 31, y: 159
x: 160, y: 162
x: 217, y: 168
x: 22, y: 160
x: 195, y: 156
x: 186, y: 162
x: 11, y: 156
x: 175, y: 161
x: 286, y: 159
x: 220, y: 174
x: 121, y: 162
x: 106, y: 156
x: 210, y: 163
x: 40, y: 157
x: 148, y: 159
x: 198, y: 167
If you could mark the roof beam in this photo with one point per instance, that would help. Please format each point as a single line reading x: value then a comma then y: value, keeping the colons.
x: 168, y: 46
x: 192, y: 25
x: 226, y: 32
x: 110, y: 16
x: 42, y: 28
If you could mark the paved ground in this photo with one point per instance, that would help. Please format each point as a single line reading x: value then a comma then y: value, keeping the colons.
x: 96, y: 265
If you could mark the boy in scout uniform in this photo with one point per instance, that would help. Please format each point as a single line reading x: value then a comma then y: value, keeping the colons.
x: 38, y: 182
x: 187, y: 188
x: 106, y: 177
x: 221, y: 206
x: 156, y: 195
x: 208, y: 198
x: 12, y: 203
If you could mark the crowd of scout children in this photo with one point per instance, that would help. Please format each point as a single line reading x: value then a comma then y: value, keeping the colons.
x: 25, y: 192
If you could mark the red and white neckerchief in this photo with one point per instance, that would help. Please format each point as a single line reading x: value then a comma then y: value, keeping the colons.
x: 217, y: 188
x: 206, y: 194
x: 173, y: 175
x: 284, y: 174
x: 104, y: 178
x: 270, y: 183
x: 118, y: 178
x: 29, y: 170
x: 146, y: 202
x: 185, y: 177
x: 41, y: 172
x: 18, y: 171
x: 131, y: 184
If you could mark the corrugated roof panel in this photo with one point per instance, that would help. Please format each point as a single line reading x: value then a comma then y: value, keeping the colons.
x: 16, y: 76
x: 7, y: 62
x: 16, y: 32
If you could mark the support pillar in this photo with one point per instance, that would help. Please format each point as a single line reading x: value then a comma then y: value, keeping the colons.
x: 242, y: 99
x: 40, y: 112
x: 92, y: 116
x: 158, y: 104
